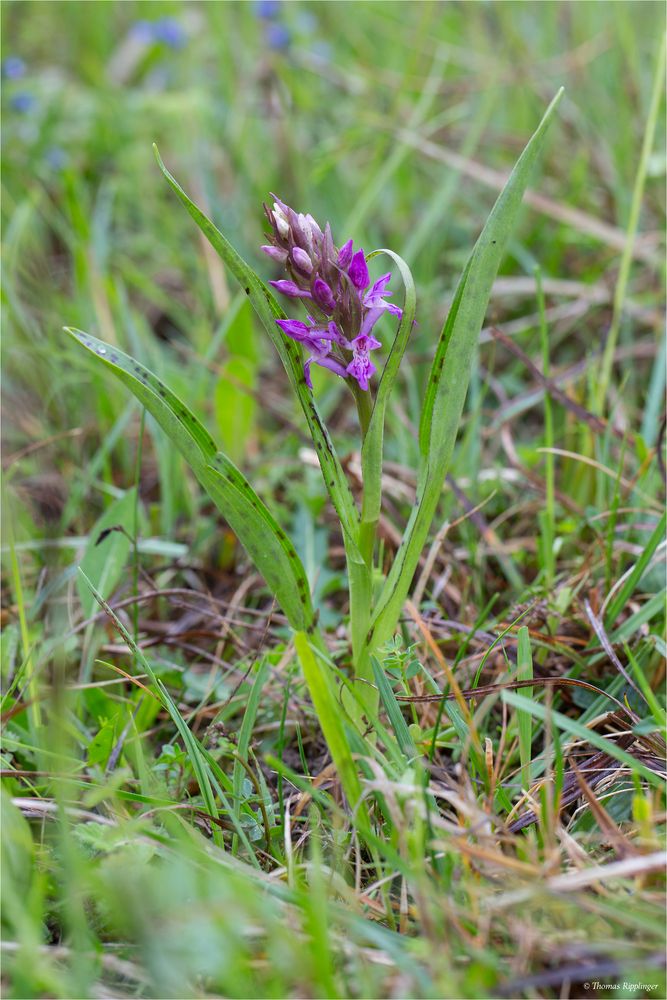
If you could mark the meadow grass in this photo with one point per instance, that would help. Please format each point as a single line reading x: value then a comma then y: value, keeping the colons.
x: 173, y: 823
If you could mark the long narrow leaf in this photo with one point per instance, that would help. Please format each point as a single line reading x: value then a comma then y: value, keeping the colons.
x: 633, y: 578
x: 248, y: 516
x: 449, y: 378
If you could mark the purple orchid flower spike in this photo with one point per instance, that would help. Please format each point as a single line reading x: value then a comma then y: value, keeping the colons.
x: 336, y: 284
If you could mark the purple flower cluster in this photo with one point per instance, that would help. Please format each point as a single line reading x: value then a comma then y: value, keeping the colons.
x: 334, y: 283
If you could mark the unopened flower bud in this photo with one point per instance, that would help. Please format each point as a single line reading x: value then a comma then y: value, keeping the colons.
x: 358, y: 270
x: 345, y: 254
x: 302, y: 261
x: 282, y: 224
x: 323, y: 295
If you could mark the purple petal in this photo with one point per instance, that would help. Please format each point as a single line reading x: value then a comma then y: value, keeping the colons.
x: 358, y: 270
x: 275, y: 253
x: 323, y: 295
x: 332, y: 365
x: 378, y: 290
x: 345, y: 254
x: 291, y: 290
x: 324, y: 362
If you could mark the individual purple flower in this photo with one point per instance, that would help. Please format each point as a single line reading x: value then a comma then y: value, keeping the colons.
x: 374, y: 299
x: 343, y: 309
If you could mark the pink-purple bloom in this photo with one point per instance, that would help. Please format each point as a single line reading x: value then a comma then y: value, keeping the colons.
x: 343, y: 308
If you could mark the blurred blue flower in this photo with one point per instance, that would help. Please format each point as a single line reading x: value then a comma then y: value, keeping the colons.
x: 13, y: 68
x: 23, y: 102
x: 166, y: 30
x: 277, y: 37
x: 170, y: 31
x: 267, y: 9
x: 143, y: 32
x: 56, y: 158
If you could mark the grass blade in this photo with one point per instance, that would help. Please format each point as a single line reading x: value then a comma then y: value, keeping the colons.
x: 245, y: 733
x: 524, y: 671
x: 393, y: 710
x: 635, y: 576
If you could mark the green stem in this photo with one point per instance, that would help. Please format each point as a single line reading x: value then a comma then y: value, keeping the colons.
x: 360, y: 576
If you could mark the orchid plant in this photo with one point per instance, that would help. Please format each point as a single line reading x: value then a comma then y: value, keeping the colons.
x: 337, y: 333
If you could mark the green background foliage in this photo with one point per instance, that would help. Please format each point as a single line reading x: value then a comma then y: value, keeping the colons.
x: 186, y: 834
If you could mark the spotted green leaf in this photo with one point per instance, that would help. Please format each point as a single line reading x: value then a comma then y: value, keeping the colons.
x: 258, y: 531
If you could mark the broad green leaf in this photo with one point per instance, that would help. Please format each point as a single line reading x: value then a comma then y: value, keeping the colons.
x: 235, y: 406
x: 264, y: 540
x: 247, y: 515
x: 107, y: 551
x: 268, y: 311
x: 448, y: 381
